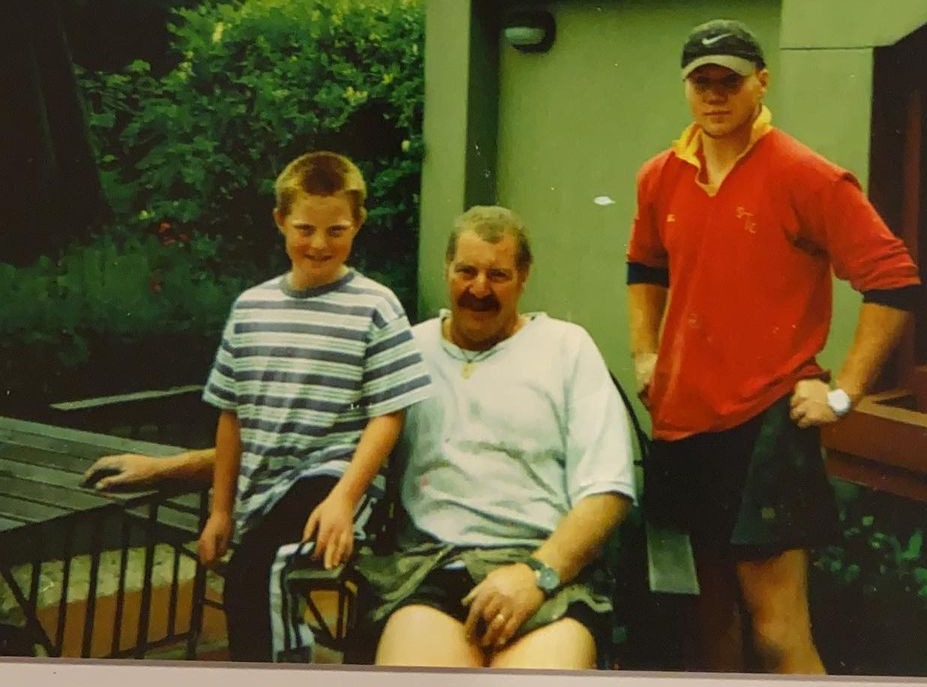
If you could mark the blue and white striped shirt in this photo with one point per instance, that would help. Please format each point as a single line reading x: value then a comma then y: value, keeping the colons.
x: 304, y: 371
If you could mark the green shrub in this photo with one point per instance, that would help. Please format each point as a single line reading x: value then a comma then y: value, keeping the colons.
x: 869, y: 591
x: 882, y: 547
x: 256, y: 84
x: 116, y: 314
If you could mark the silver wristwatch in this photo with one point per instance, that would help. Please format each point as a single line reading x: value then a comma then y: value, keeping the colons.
x: 839, y: 402
x: 545, y: 577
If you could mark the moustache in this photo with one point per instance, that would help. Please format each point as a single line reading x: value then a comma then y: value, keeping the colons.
x: 479, y: 304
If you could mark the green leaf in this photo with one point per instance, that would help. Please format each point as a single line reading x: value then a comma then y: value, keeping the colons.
x: 912, y: 551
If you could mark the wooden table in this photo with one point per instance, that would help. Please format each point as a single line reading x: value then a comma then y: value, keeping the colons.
x: 45, y: 515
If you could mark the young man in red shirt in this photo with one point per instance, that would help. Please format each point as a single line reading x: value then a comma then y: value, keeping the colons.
x: 737, y: 230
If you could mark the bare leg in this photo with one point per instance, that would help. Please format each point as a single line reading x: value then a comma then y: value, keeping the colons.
x: 419, y: 635
x: 715, y: 640
x: 775, y: 593
x: 565, y: 644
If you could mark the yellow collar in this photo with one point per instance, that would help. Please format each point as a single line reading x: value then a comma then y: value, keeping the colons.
x: 689, y: 144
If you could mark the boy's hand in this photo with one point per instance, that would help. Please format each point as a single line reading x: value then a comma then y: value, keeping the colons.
x: 214, y: 541
x: 134, y: 470
x: 644, y: 365
x: 332, y: 525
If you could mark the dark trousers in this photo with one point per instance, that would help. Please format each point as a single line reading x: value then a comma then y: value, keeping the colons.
x: 247, y: 581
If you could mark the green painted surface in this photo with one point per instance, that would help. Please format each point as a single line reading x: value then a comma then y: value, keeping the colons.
x: 483, y: 110
x: 849, y: 23
x: 447, y: 54
x: 461, y: 120
x: 826, y: 101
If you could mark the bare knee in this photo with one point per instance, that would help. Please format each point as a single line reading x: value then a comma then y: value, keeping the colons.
x: 783, y: 641
x: 773, y: 641
x: 402, y: 643
x: 565, y: 644
x: 775, y: 595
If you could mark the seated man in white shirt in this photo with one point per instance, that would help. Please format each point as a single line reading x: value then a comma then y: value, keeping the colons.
x: 513, y: 475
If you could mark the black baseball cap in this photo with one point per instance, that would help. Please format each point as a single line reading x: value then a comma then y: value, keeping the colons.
x: 725, y: 42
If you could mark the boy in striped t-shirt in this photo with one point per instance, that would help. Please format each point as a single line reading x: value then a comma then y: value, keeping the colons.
x: 312, y: 377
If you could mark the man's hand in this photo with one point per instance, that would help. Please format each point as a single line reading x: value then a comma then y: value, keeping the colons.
x: 134, y: 471
x: 809, y: 404
x: 505, y: 599
x: 332, y: 525
x: 644, y: 365
x: 215, y: 538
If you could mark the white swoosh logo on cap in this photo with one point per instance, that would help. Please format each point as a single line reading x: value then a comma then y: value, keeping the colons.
x: 712, y: 41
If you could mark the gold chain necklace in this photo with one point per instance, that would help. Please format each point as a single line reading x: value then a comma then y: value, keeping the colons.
x: 470, y: 361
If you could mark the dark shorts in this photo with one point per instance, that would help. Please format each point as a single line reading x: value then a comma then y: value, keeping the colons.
x: 443, y: 590
x: 751, y: 491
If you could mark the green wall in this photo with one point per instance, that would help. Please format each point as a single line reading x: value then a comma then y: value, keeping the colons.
x: 826, y: 94
x: 546, y: 134
x: 849, y: 23
x: 575, y: 124
x: 444, y: 169
x: 460, y: 128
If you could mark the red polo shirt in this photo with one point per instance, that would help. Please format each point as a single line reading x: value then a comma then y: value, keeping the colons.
x: 750, y: 265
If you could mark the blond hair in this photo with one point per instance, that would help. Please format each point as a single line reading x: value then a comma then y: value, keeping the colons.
x: 321, y: 173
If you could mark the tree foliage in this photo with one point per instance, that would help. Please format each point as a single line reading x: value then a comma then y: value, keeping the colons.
x: 188, y: 150
x: 258, y: 83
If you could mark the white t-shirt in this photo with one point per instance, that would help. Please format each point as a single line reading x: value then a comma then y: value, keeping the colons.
x: 499, y: 457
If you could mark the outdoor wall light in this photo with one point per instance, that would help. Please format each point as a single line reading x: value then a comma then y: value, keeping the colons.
x: 529, y: 30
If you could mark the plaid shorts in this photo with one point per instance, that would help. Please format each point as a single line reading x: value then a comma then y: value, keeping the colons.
x: 754, y: 490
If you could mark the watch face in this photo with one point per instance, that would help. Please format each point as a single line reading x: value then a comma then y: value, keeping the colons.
x: 548, y: 580
x: 839, y: 402
x: 546, y: 577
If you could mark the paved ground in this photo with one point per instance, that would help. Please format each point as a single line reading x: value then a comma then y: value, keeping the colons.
x: 51, y: 584
x: 213, y: 642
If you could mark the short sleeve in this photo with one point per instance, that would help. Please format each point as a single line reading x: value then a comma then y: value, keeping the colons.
x: 220, y: 386
x: 599, y: 456
x: 646, y: 245
x: 394, y: 372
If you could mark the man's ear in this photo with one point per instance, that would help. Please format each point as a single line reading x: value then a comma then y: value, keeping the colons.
x: 361, y: 218
x: 279, y: 219
x: 763, y: 76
